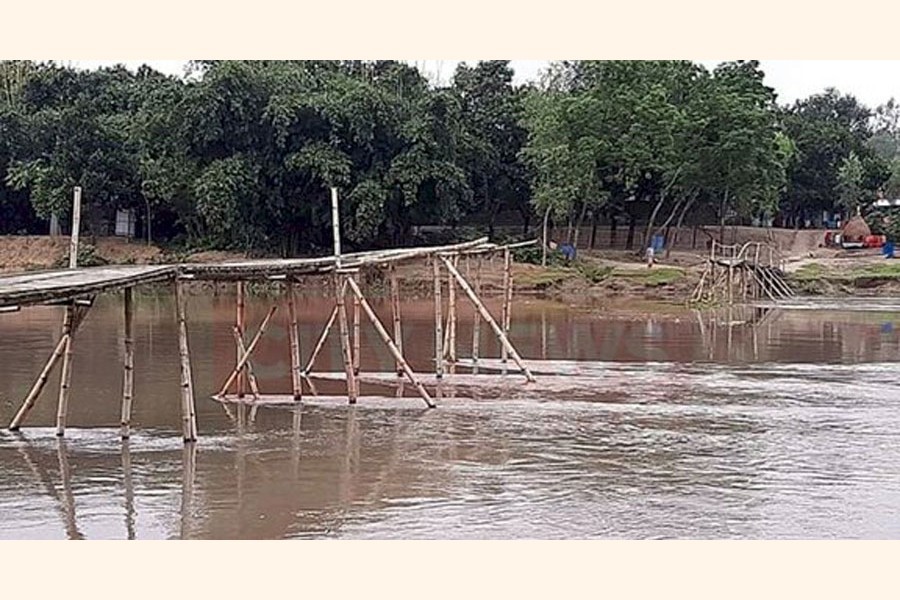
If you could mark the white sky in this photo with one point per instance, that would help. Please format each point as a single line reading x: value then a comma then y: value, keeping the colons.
x: 872, y: 81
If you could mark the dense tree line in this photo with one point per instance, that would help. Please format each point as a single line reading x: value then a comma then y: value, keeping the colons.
x: 240, y: 154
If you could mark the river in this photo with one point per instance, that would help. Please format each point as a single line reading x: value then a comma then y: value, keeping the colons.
x: 751, y: 424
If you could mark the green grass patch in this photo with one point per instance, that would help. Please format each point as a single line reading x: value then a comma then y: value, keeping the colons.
x: 816, y: 271
x: 651, y: 277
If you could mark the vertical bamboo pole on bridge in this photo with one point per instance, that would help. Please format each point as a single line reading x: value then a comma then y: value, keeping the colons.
x: 507, y: 303
x: 356, y: 339
x: 451, y: 318
x: 395, y: 315
x: 438, y: 318
x: 346, y: 351
x: 240, y: 323
x: 476, y: 324
x: 65, y: 380
x: 128, y: 374
x: 188, y: 412
x: 294, y: 335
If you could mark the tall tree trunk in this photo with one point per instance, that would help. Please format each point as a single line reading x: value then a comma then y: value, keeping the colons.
x: 612, y: 230
x: 647, y: 234
x: 593, y: 228
x: 629, y: 241
x: 722, y: 206
x: 579, y: 224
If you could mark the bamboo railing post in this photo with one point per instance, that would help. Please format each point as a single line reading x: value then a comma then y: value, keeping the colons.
x: 476, y: 326
x: 65, y: 380
x: 240, y: 323
x: 188, y: 412
x: 438, y: 325
x: 128, y: 375
x: 346, y: 351
x: 294, y: 334
x: 245, y: 356
x: 490, y: 320
x: 382, y: 332
x: 321, y: 341
x: 395, y: 315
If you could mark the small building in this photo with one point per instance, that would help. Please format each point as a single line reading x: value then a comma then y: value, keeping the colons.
x: 125, y: 223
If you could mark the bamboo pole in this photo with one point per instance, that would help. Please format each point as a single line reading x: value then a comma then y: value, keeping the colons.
x: 294, y: 334
x: 128, y: 375
x: 356, y: 339
x: 395, y: 351
x: 251, y: 376
x: 240, y: 323
x: 476, y: 326
x: 346, y: 351
x: 188, y: 413
x: 321, y: 341
x: 35, y: 391
x: 76, y: 227
x: 490, y: 320
x: 507, y: 301
x: 438, y: 325
x: 65, y: 380
x: 451, y: 317
x: 395, y: 315
x: 245, y: 356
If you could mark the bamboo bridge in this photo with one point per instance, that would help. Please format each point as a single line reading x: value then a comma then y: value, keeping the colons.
x: 75, y: 288
x: 754, y: 270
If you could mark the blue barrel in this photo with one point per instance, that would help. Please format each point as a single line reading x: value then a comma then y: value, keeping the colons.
x: 888, y: 249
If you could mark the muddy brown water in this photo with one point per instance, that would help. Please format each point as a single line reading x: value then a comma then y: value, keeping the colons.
x: 752, y: 424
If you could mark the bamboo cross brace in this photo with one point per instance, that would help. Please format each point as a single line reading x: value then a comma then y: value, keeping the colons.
x: 321, y: 341
x: 251, y: 376
x: 486, y: 315
x: 246, y: 355
x: 392, y: 347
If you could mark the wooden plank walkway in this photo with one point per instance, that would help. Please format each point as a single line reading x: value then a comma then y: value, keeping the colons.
x: 66, y: 284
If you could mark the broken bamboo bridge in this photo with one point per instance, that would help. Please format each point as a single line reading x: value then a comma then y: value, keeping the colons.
x: 76, y: 288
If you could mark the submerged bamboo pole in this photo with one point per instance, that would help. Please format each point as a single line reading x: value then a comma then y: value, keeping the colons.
x: 294, y: 334
x: 395, y: 351
x: 128, y: 375
x: 188, y: 412
x: 395, y: 315
x: 239, y: 323
x: 490, y: 320
x: 321, y: 341
x: 65, y: 380
x: 346, y: 352
x: 438, y: 325
x: 245, y: 356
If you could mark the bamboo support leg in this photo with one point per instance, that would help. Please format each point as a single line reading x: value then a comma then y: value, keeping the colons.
x: 321, y: 341
x: 392, y: 347
x: 346, y: 351
x: 476, y: 326
x: 451, y: 317
x: 240, y: 324
x: 294, y: 334
x: 245, y: 356
x: 438, y: 325
x: 188, y: 411
x: 32, y: 396
x: 128, y: 376
x: 65, y: 380
x: 490, y: 320
x: 356, y: 340
x: 395, y: 315
x: 507, y: 302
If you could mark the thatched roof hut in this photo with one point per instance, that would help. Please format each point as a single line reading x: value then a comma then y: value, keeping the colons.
x: 855, y: 230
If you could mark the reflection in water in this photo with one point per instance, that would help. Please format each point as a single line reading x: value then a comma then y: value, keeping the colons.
x: 740, y: 423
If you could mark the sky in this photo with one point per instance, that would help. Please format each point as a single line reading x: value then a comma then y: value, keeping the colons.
x: 873, y: 82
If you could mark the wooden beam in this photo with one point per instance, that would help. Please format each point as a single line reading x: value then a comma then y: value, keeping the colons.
x: 487, y: 317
